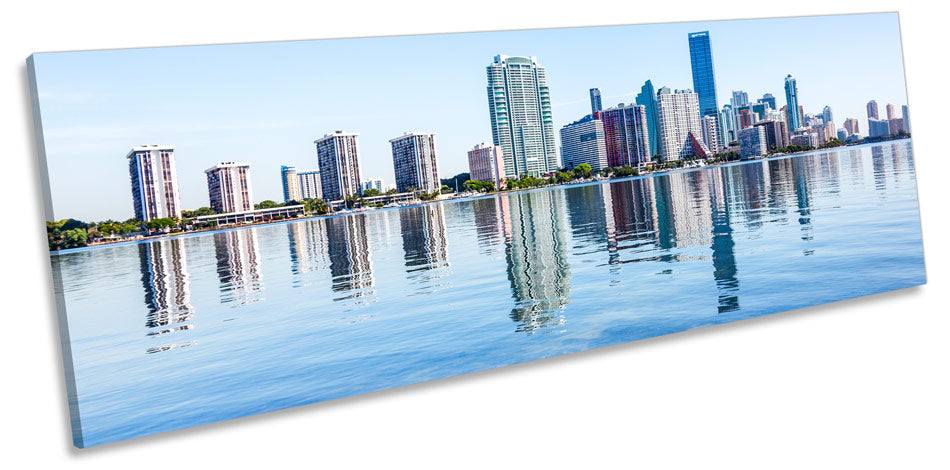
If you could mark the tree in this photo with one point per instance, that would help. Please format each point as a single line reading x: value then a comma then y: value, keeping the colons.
x: 267, y: 204
x: 371, y: 192
x: 583, y: 170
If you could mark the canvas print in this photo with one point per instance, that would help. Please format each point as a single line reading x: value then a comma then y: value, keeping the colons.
x: 235, y: 229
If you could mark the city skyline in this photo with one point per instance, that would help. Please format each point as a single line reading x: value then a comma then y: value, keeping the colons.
x: 87, y: 116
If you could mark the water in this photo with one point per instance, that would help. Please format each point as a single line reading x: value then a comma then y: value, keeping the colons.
x: 174, y: 333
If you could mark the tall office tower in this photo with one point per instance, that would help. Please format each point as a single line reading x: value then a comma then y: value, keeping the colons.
x: 595, y: 104
x: 582, y: 141
x: 704, y: 74
x: 288, y: 176
x: 309, y: 186
x: 791, y: 96
x: 752, y: 142
x: 739, y: 98
x: 627, y: 134
x: 338, y: 161
x: 154, y: 182
x: 768, y: 98
x: 647, y: 98
x: 727, y: 118
x: 890, y: 111
x: 414, y: 162
x: 906, y: 117
x: 374, y: 183
x: 826, y: 115
x: 711, y: 133
x: 872, y: 110
x: 776, y: 134
x: 229, y: 187
x: 681, y: 131
x: 519, y: 105
x: 851, y: 125
x: 486, y: 162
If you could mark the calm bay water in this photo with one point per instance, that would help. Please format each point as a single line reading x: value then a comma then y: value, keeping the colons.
x: 174, y: 333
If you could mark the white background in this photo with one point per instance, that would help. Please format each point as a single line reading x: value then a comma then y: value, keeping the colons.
x: 856, y: 384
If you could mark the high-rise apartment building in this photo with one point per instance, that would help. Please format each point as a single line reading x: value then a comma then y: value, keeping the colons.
x: 878, y: 127
x: 519, y: 105
x: 739, y: 98
x: 906, y: 117
x: 872, y: 110
x: 752, y: 142
x: 776, y: 134
x: 727, y: 119
x: 768, y: 98
x: 627, y: 135
x: 338, y: 161
x: 309, y: 185
x: 647, y: 98
x: 583, y: 142
x: 595, y: 103
x: 826, y: 115
x: 229, y: 187
x: 486, y: 162
x: 711, y: 134
x: 889, y: 109
x: 851, y: 125
x: 704, y: 73
x: 681, y: 130
x: 414, y: 162
x: 288, y: 178
x: 791, y: 97
x: 154, y: 182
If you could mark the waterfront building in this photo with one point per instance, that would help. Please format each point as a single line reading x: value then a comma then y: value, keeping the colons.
x: 752, y: 142
x: 711, y: 133
x: 229, y: 187
x: 739, y: 98
x: 878, y: 127
x: 727, y: 120
x: 872, y: 110
x: 647, y: 98
x: 154, y: 181
x: 830, y: 132
x: 826, y: 115
x: 906, y: 117
x: 895, y: 126
x: 338, y: 161
x: 745, y: 117
x: 768, y: 98
x: 373, y: 183
x: 805, y: 139
x: 309, y: 185
x: 776, y: 134
x: 791, y: 97
x: 704, y: 73
x: 414, y: 162
x: 595, y: 103
x: 851, y: 125
x: 486, y: 162
x: 774, y: 115
x: 680, y: 124
x: 519, y: 106
x: 583, y: 142
x: 842, y: 134
x: 627, y: 134
x: 288, y: 178
x: 890, y: 111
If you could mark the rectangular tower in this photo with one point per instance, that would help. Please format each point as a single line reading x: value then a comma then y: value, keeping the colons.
x: 229, y: 187
x: 486, y: 163
x: 583, y: 142
x: 414, y: 162
x: 681, y: 129
x: 154, y: 182
x: 704, y: 74
x: 288, y: 177
x: 627, y: 135
x: 338, y: 161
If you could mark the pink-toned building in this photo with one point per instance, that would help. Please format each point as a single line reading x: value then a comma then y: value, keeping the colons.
x: 486, y: 163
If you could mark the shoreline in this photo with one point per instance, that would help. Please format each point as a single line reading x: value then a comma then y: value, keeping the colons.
x: 196, y: 233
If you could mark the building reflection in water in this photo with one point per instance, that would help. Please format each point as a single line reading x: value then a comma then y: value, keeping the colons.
x: 424, y: 239
x: 308, y: 251
x: 165, y: 280
x: 537, y: 258
x: 492, y: 223
x: 351, y: 269
x: 880, y: 176
x: 723, y: 245
x: 239, y: 266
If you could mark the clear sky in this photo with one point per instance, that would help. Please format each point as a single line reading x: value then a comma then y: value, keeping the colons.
x: 266, y: 103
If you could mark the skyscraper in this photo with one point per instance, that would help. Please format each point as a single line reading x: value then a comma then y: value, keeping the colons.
x: 626, y: 131
x: 595, y: 104
x: 414, y: 162
x: 647, y: 98
x: 826, y: 115
x: 752, y: 142
x: 154, y: 182
x: 791, y: 96
x: 583, y: 142
x: 890, y: 111
x: 288, y: 177
x: 229, y: 187
x: 851, y: 125
x: 519, y: 105
x: 681, y: 131
x: 711, y: 133
x: 338, y: 161
x: 878, y: 127
x: 704, y: 74
x: 739, y: 98
x: 768, y: 98
x: 872, y: 110
x: 486, y: 163
x: 309, y: 186
x: 727, y: 119
x: 906, y: 117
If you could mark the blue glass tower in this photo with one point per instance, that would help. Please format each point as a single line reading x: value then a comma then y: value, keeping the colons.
x: 647, y: 98
x: 791, y: 96
x: 704, y: 77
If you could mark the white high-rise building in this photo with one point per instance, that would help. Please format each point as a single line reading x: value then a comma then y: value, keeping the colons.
x: 288, y: 178
x: 415, y: 163
x: 486, y: 163
x: 519, y: 105
x: 583, y: 141
x: 681, y: 130
x: 711, y: 133
x: 338, y: 161
x: 308, y: 183
x: 154, y: 182
x: 229, y: 187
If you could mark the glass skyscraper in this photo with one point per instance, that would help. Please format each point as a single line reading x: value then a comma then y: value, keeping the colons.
x: 595, y: 103
x: 519, y: 104
x: 647, y: 98
x: 704, y: 76
x: 791, y: 96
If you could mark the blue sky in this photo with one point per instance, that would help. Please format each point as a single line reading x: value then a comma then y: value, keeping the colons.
x: 266, y: 103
